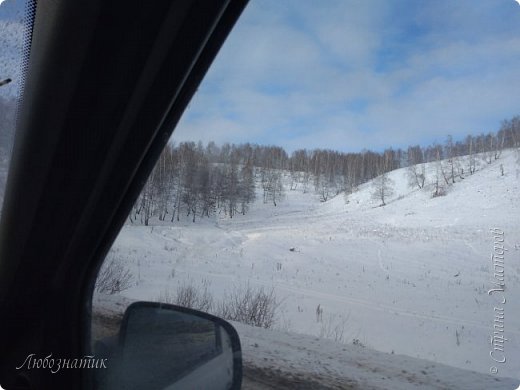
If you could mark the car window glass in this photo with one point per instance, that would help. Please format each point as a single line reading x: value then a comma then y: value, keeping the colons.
x: 15, y: 25
x: 344, y: 188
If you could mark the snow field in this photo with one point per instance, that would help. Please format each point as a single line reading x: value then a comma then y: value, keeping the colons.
x: 410, y: 278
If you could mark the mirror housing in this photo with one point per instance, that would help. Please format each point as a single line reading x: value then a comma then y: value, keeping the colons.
x: 163, y: 346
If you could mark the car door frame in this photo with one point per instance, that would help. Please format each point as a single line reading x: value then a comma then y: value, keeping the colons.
x: 107, y: 83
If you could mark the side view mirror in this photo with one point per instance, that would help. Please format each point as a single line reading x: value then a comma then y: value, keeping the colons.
x: 164, y: 346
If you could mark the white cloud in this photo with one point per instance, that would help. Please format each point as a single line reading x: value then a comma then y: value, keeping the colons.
x: 299, y: 76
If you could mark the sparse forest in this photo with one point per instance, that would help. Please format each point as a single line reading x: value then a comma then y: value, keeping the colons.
x: 197, y: 180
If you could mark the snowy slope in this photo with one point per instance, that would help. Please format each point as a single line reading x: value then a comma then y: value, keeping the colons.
x: 409, y: 278
x: 304, y: 360
x: 275, y: 359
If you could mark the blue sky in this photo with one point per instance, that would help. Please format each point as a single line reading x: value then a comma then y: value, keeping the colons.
x: 349, y: 75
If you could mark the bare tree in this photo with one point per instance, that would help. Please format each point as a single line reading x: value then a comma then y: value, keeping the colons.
x: 382, y: 188
x: 249, y: 306
x: 471, y: 154
x: 488, y: 147
x: 416, y: 170
x: 113, y: 277
x: 451, y: 156
x: 231, y: 192
x: 272, y: 185
x: 416, y: 175
x: 195, y: 298
x: 439, y: 188
x: 247, y: 186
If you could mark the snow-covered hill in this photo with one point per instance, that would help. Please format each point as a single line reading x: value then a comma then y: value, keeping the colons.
x: 411, y: 278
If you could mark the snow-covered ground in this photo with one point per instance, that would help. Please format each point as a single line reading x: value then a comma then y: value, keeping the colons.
x: 304, y: 362
x: 411, y: 278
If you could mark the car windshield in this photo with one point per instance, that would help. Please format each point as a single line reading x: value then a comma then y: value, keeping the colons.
x: 15, y: 25
x: 344, y: 188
